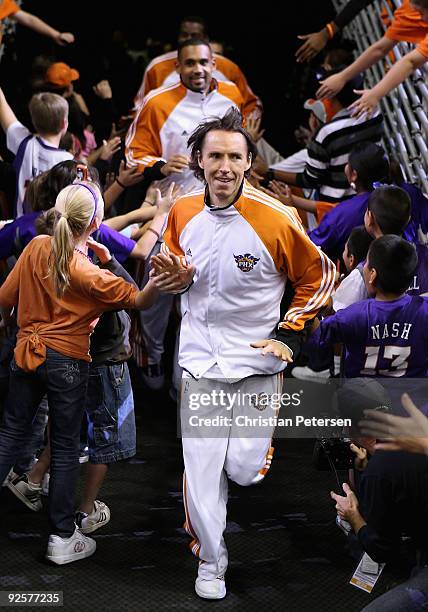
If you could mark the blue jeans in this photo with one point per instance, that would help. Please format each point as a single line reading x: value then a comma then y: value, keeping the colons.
x: 64, y: 379
x: 36, y: 442
x: 410, y: 596
x: 110, y: 413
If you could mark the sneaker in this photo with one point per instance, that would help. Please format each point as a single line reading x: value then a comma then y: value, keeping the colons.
x: 306, y: 373
x: 99, y: 517
x: 66, y: 550
x: 84, y: 454
x: 9, y: 477
x: 28, y: 492
x: 153, y: 376
x: 211, y: 589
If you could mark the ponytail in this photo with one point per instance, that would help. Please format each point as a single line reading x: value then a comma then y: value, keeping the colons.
x: 76, y: 208
x: 62, y: 252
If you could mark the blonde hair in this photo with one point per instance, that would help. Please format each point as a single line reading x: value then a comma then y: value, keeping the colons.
x: 78, y: 205
x: 48, y: 111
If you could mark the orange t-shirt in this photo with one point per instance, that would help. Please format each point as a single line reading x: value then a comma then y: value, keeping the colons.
x: 322, y: 209
x: 7, y: 8
x: 408, y: 26
x: 63, y: 324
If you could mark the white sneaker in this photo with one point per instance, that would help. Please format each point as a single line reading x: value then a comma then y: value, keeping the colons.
x: 211, y: 589
x: 9, y: 477
x: 100, y: 516
x: 66, y: 550
x: 306, y: 373
x: 28, y: 492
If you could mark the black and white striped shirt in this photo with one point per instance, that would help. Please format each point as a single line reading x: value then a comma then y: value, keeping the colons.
x: 329, y: 150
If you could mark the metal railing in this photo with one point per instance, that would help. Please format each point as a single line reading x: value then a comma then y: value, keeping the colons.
x: 404, y: 109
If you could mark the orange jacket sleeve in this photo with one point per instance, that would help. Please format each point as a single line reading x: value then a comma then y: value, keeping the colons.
x: 143, y: 146
x: 251, y: 103
x: 311, y: 273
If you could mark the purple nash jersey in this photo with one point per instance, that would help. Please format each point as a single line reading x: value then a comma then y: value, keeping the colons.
x: 380, y: 338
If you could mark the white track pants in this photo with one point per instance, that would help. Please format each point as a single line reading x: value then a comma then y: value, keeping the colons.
x: 208, y: 461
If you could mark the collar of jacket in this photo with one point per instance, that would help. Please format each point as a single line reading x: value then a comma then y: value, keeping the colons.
x: 197, y: 94
x: 218, y: 210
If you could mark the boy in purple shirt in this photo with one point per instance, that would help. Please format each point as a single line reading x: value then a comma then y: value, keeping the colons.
x: 388, y: 212
x: 386, y: 336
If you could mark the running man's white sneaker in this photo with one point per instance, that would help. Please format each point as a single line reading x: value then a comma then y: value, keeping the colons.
x: 66, y: 550
x: 99, y: 517
x: 211, y: 589
x: 28, y: 492
x: 306, y: 373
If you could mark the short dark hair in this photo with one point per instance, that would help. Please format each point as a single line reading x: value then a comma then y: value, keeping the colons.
x: 192, y: 42
x: 230, y: 122
x: 342, y: 56
x: 346, y: 95
x: 390, y: 205
x: 194, y: 19
x: 358, y: 243
x: 395, y: 261
x: 43, y: 195
x: 370, y: 162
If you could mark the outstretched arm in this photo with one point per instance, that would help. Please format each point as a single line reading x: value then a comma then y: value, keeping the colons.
x: 399, y: 72
x: 335, y: 83
x: 38, y: 25
x: 7, y: 116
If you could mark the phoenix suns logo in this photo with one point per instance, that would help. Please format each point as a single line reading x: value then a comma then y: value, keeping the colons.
x: 246, y: 262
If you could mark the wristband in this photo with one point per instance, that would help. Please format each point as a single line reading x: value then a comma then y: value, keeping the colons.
x: 330, y: 30
x: 120, y: 184
x: 150, y: 229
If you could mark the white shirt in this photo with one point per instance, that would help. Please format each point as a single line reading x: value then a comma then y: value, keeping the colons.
x: 352, y: 289
x: 31, y: 158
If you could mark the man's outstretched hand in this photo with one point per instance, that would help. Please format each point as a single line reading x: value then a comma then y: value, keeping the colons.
x: 278, y: 349
x: 170, y: 273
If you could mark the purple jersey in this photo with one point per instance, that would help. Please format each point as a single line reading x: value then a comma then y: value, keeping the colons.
x: 15, y: 236
x: 335, y: 227
x: 385, y: 339
x: 419, y: 286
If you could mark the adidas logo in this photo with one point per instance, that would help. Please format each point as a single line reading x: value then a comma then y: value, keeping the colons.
x: 189, y: 252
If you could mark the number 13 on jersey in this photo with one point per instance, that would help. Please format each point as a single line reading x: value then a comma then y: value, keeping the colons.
x: 397, y: 355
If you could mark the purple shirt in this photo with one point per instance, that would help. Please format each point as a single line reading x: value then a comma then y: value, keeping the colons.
x: 385, y: 339
x: 17, y: 234
x: 335, y: 227
x: 419, y: 286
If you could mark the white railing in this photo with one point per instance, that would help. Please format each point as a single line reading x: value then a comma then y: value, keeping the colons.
x: 404, y: 109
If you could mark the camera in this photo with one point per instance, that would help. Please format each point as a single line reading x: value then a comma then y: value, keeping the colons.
x: 332, y: 453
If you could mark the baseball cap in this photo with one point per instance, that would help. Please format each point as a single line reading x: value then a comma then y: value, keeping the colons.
x: 324, y: 110
x: 61, y: 75
x: 359, y: 394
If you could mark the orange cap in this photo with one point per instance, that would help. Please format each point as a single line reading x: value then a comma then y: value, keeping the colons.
x: 61, y: 74
x: 324, y: 109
